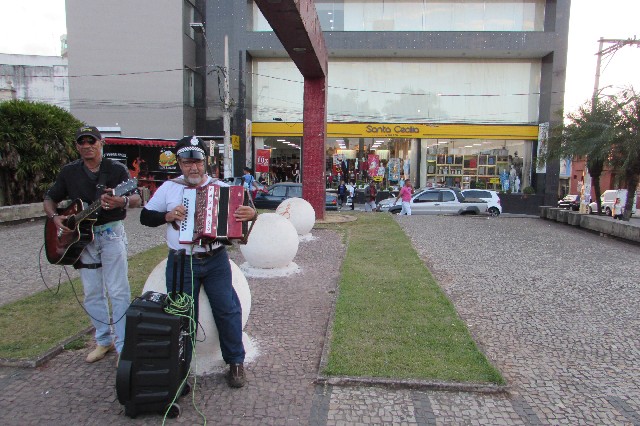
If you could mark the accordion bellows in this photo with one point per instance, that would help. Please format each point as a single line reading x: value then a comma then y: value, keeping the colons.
x: 209, y: 216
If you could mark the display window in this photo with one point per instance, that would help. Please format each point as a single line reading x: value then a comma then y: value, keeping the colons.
x: 500, y: 165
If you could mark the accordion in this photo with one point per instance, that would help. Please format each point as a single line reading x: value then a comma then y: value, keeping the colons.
x: 209, y: 217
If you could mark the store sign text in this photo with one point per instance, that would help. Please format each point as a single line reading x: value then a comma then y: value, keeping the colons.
x: 395, y: 129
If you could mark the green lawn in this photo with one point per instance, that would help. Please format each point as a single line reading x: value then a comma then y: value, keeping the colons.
x: 392, y: 320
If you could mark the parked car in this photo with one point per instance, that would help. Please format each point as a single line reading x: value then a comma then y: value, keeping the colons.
x: 438, y: 201
x: 570, y: 202
x: 607, y: 199
x: 237, y: 180
x: 491, y: 197
x: 272, y: 196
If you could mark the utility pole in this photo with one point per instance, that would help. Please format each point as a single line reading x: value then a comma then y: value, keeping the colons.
x: 226, y: 115
x: 616, y: 44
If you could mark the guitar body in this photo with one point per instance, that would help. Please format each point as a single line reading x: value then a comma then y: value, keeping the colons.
x: 66, y: 248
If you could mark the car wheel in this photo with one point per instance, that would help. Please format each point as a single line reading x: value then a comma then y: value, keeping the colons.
x: 607, y: 211
x: 493, y: 211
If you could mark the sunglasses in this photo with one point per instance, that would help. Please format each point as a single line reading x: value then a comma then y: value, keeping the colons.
x: 91, y: 141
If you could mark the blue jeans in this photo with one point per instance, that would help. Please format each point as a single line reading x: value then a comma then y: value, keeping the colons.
x: 109, y: 247
x: 214, y: 275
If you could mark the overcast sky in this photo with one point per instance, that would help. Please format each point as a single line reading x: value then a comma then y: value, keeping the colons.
x: 34, y: 27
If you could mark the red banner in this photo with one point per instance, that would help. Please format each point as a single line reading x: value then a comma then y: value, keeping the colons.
x: 263, y: 157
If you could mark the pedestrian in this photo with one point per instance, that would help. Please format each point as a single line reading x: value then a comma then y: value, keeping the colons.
x: 249, y: 182
x: 405, y: 194
x: 616, y: 209
x: 342, y: 194
x: 352, y: 193
x: 103, y: 261
x: 207, y: 266
x: 370, y: 197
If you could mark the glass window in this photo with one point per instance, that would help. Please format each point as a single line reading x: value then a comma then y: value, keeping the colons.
x: 486, y: 91
x: 189, y: 87
x: 448, y: 196
x: 424, y: 15
x: 279, y: 191
x: 427, y: 197
x: 188, y: 16
x: 295, y: 191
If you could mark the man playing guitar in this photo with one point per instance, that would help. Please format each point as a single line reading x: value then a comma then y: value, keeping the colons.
x: 103, y: 261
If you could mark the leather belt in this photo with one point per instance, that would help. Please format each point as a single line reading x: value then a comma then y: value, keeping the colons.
x: 203, y: 254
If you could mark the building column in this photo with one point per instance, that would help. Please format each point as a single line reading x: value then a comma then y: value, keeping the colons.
x: 313, y: 152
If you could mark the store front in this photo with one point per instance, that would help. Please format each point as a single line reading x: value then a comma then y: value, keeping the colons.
x: 494, y: 157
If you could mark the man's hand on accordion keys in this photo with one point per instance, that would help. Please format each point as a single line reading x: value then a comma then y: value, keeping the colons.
x: 177, y: 213
x: 245, y: 213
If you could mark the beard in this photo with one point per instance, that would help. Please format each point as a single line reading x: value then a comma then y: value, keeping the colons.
x: 193, y: 180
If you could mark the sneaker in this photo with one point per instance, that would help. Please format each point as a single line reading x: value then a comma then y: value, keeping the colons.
x: 236, y: 377
x: 99, y: 352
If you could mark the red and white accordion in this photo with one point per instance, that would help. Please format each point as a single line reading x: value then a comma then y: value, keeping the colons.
x: 209, y: 216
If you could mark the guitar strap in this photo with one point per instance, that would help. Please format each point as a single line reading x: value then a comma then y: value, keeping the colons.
x: 102, y: 181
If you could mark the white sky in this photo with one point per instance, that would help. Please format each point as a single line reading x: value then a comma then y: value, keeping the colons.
x: 34, y: 27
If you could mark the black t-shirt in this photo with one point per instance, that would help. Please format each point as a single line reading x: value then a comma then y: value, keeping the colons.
x: 77, y: 181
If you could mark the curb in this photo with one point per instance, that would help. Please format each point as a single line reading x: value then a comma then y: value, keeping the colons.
x: 47, y: 356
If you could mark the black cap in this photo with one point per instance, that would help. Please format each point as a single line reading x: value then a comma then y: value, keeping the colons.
x: 190, y: 147
x: 88, y: 131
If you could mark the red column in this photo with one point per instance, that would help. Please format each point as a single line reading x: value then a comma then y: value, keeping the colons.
x: 313, y: 152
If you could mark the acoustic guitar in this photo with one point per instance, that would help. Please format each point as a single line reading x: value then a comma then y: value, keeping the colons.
x: 66, y: 248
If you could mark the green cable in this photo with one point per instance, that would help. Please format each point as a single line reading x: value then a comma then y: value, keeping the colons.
x: 184, y: 306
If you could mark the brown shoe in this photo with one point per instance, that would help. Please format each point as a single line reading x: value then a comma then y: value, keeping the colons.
x: 235, y: 376
x: 99, y: 352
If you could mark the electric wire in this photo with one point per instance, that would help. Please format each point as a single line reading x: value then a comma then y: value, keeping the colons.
x: 64, y: 268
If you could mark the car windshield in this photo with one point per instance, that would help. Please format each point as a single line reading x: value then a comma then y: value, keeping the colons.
x: 279, y: 191
x: 295, y: 191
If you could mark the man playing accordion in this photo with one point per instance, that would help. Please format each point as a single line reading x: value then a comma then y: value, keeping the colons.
x: 206, y: 265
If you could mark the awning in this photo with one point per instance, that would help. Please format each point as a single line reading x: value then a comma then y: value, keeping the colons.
x: 141, y: 142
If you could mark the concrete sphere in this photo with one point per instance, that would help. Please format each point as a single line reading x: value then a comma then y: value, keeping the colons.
x: 299, y: 212
x: 208, y: 356
x: 273, y: 242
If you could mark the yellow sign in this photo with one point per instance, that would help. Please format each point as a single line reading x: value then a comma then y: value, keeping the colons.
x: 494, y: 180
x: 390, y: 130
x: 235, y: 142
x: 377, y: 178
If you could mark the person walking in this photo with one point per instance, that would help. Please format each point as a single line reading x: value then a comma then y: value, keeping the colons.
x: 207, y: 266
x: 352, y: 193
x: 370, y: 197
x: 249, y: 182
x: 405, y: 194
x: 103, y: 262
x: 342, y: 194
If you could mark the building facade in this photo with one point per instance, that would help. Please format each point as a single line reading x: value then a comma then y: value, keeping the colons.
x: 444, y: 93
x: 440, y: 92
x: 34, y: 78
x: 137, y: 66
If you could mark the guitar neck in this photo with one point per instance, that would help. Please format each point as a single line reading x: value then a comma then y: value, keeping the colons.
x: 94, y: 207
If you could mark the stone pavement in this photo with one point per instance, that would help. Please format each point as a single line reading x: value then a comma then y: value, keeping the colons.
x: 555, y: 308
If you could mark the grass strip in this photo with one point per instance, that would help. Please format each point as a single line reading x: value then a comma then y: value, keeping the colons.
x: 35, y: 324
x: 392, y: 319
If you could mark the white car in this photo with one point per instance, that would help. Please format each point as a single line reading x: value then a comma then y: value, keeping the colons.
x: 491, y: 197
x: 607, y: 199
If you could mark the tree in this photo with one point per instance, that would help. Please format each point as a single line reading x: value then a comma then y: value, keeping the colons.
x: 36, y: 140
x: 625, y: 153
x: 589, y: 133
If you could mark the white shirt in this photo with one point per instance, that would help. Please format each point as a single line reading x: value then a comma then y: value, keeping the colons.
x: 168, y: 197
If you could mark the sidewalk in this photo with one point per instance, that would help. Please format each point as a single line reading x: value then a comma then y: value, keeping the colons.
x: 542, y: 300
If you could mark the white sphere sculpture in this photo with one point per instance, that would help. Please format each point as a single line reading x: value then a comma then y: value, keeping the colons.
x: 208, y: 355
x: 273, y: 242
x: 300, y: 212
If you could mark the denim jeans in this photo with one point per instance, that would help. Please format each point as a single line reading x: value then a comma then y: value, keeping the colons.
x: 109, y: 247
x: 214, y: 275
